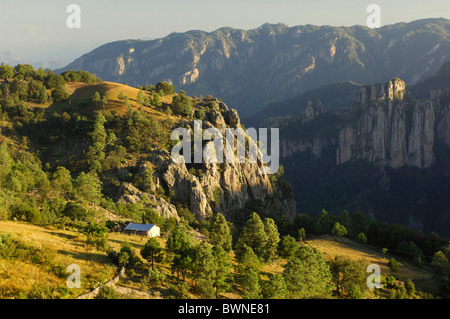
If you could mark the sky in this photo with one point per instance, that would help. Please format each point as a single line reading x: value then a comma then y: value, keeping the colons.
x: 37, y: 30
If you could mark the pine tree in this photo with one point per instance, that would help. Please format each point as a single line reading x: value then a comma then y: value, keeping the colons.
x: 323, y: 222
x: 248, y: 259
x: 339, y: 230
x: 43, y: 96
x: 96, y: 98
x: 219, y: 233
x: 182, y: 105
x: 273, y: 238
x: 152, y: 251
x: 307, y: 275
x: 223, y: 278
x: 348, y: 274
x: 60, y: 93
x: 165, y: 88
x: 288, y: 247
x: 96, y: 153
x: 248, y: 271
x: 147, y: 101
x: 126, y: 256
x: 6, y: 72
x: 254, y: 235
x: 6, y: 162
x: 393, y: 265
x: 62, y: 180
x: 301, y: 234
x: 250, y: 283
x: 89, y: 187
x: 203, y: 264
x: 140, y: 98
x: 156, y: 101
x: 104, y: 101
x: 275, y: 288
x: 180, y: 245
x: 145, y: 179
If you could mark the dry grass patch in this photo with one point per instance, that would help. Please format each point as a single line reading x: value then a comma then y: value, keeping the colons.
x: 331, y: 247
x: 63, y: 248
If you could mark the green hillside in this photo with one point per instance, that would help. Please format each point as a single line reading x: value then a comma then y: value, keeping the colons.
x: 79, y: 157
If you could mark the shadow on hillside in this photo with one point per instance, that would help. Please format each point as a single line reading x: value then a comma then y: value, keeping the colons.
x: 88, y: 255
x: 70, y: 106
x: 80, y: 99
x: 83, y: 252
x: 62, y: 235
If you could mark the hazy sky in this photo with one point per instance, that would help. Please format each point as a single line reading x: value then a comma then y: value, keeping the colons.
x: 34, y: 27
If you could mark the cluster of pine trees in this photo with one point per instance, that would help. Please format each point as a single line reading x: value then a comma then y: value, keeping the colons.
x: 181, y: 104
x: 24, y: 84
x: 29, y: 193
x: 427, y: 251
x: 39, y: 192
x: 219, y: 265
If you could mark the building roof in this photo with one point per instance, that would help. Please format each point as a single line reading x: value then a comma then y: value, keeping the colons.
x: 140, y: 227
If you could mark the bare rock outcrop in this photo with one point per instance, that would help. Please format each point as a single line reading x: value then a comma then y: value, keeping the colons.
x: 210, y: 186
x: 389, y: 91
x: 389, y: 128
x: 441, y: 98
x: 128, y: 193
x: 386, y: 125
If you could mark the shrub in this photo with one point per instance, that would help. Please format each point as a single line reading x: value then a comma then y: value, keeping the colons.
x: 107, y: 292
x: 182, y: 105
x: 75, y: 211
x: 156, y: 277
x: 339, y: 230
x: 39, y: 291
x: 166, y: 88
x: 362, y: 238
x: 60, y: 94
x: 393, y: 265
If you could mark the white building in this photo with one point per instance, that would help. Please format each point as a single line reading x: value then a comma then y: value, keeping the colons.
x: 148, y: 230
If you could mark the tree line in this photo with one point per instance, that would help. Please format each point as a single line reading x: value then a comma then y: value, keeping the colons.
x: 218, y: 265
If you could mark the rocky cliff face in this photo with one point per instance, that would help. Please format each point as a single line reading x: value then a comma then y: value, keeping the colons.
x: 384, y: 152
x: 212, y: 187
x: 292, y: 144
x: 387, y: 155
x: 386, y: 125
x: 389, y: 129
x: 441, y: 98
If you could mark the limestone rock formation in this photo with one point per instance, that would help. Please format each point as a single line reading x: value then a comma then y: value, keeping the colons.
x: 385, y: 125
x: 208, y: 186
x: 389, y: 128
x: 386, y: 154
x: 389, y: 91
x: 441, y: 98
x: 130, y: 194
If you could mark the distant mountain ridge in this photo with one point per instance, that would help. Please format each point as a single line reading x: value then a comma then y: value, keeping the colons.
x: 440, y: 80
x: 250, y: 69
